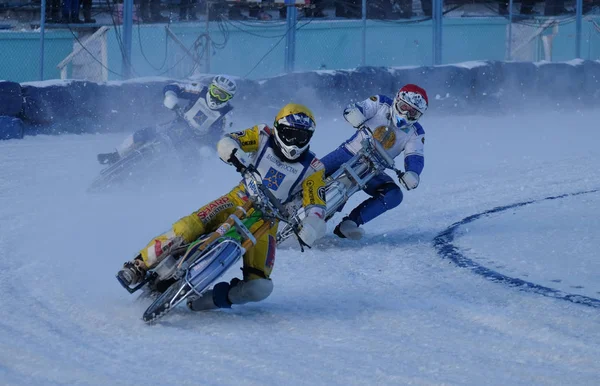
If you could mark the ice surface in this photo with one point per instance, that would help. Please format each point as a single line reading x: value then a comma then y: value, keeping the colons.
x: 383, y: 311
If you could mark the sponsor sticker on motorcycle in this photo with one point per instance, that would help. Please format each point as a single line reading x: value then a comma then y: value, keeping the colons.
x: 223, y: 229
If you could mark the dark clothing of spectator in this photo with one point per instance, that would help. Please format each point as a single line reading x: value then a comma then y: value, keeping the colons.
x: 351, y: 9
x: 555, y: 8
x: 70, y: 11
x: 54, y: 13
x: 187, y: 10
x: 526, y: 7
x: 317, y: 9
x: 376, y: 9
x: 219, y: 9
x: 256, y: 11
x: 86, y: 6
x: 150, y: 11
x: 426, y: 7
x: 403, y: 9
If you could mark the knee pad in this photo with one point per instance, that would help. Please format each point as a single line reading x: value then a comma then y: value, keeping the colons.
x: 144, y: 135
x: 221, y: 295
x: 386, y: 197
x: 251, y: 291
x: 391, y: 195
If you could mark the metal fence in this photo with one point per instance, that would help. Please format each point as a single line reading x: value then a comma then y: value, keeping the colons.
x: 256, y: 39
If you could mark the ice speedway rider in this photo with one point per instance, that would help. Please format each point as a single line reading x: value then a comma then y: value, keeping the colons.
x: 204, y: 109
x: 394, y: 124
x: 288, y: 168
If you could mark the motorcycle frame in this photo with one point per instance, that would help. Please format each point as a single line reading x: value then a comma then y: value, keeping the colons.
x: 235, y: 233
x: 352, y: 176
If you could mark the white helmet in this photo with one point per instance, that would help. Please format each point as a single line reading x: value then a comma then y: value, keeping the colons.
x: 294, y: 127
x: 409, y: 105
x: 221, y: 89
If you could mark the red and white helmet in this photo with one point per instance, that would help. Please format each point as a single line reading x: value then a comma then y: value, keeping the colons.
x: 409, y: 105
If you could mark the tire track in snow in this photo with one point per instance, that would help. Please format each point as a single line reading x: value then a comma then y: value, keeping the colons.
x: 445, y: 248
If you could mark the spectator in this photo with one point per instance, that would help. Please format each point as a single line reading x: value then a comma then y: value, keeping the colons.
x: 53, y: 15
x: 187, y: 10
x: 588, y: 5
x: 70, y: 12
x: 403, y: 8
x: 350, y: 9
x: 86, y: 6
x: 555, y: 8
x: 426, y: 7
x: 376, y: 9
x: 219, y: 9
x: 150, y: 12
x: 526, y: 7
x: 255, y: 10
x: 316, y: 9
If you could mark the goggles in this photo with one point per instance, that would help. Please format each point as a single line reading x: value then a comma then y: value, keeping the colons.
x: 409, y: 111
x: 292, y: 136
x: 219, y: 94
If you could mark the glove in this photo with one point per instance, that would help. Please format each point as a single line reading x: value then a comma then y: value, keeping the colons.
x: 354, y: 117
x: 313, y: 228
x: 228, y: 147
x: 409, y: 180
x: 170, y: 100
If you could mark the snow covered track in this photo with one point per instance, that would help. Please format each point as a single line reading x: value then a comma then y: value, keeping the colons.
x: 446, y: 249
x: 383, y: 311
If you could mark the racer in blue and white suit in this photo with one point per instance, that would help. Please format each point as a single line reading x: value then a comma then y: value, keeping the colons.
x: 204, y: 111
x: 393, y: 123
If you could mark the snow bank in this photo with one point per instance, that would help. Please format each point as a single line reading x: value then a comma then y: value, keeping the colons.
x: 56, y: 107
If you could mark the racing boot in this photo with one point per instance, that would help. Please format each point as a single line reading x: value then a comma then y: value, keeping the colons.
x: 348, y: 229
x: 218, y: 297
x: 108, y: 158
x: 133, y: 272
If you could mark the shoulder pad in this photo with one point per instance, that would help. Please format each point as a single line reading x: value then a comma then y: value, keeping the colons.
x: 385, y: 99
x: 192, y: 88
x: 225, y: 109
x: 419, y: 128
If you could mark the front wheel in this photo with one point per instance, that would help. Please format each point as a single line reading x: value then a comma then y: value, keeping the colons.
x: 168, y: 300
